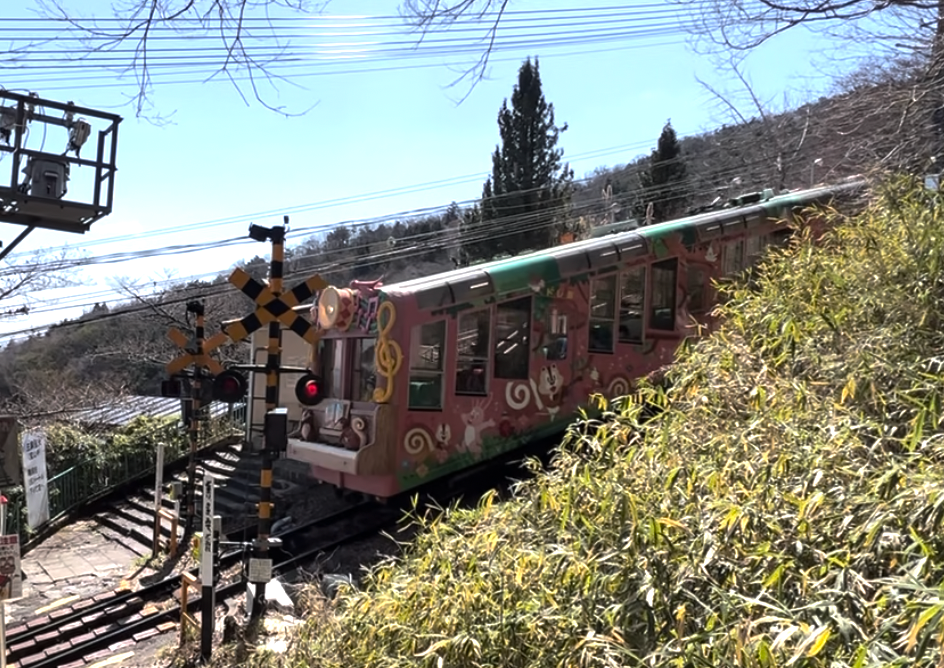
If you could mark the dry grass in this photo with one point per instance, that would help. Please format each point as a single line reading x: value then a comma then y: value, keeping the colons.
x: 785, y: 510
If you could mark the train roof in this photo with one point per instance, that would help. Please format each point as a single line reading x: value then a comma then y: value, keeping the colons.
x: 514, y: 273
x: 459, y: 286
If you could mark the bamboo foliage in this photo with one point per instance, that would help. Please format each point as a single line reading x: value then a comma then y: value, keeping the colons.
x: 785, y: 510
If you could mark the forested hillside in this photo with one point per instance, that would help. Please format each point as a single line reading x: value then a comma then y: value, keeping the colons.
x: 869, y: 124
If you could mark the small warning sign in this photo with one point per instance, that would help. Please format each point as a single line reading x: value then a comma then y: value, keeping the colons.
x: 260, y: 570
x: 11, y: 577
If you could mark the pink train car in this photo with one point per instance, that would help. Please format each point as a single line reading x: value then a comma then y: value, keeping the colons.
x: 426, y: 377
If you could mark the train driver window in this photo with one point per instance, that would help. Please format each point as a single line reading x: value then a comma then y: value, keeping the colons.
x: 473, y: 344
x: 664, y: 277
x: 632, y: 305
x: 331, y: 366
x: 364, y: 376
x: 602, y: 314
x: 427, y: 343
x: 513, y: 339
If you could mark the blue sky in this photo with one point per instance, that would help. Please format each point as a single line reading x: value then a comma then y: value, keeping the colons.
x: 371, y: 132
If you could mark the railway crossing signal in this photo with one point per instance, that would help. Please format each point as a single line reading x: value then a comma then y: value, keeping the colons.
x: 308, y: 390
x: 273, y: 307
x: 229, y: 387
x: 196, y: 352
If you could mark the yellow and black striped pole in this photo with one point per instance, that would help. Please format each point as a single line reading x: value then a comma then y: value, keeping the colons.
x: 197, y: 309
x: 273, y: 362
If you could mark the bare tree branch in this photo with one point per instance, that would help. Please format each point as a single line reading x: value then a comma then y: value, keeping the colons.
x: 139, y: 22
x: 424, y: 15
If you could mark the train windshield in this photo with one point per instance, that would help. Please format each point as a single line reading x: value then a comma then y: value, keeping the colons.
x: 347, y: 366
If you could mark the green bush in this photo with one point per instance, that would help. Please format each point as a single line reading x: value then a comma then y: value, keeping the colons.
x: 785, y: 510
x: 70, y: 445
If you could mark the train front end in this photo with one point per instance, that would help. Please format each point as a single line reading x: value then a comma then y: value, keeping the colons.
x: 345, y: 422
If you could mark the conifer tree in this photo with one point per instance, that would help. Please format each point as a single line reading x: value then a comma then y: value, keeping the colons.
x: 525, y: 199
x: 664, y: 182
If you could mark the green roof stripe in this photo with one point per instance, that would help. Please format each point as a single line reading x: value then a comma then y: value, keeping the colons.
x: 517, y: 274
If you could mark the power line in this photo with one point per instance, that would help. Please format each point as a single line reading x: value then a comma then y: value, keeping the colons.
x: 495, y: 229
x: 335, y: 202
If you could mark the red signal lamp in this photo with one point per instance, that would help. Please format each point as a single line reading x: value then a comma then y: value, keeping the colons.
x: 229, y: 387
x: 309, y: 389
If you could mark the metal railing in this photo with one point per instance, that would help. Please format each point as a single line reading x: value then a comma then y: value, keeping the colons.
x: 94, y: 478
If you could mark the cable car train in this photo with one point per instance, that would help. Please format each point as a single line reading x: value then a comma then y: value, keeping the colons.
x: 426, y: 377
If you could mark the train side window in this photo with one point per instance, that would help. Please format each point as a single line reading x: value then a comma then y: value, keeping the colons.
x: 427, y: 343
x: 513, y: 339
x: 664, y: 277
x: 473, y: 352
x: 754, y: 248
x: 632, y: 305
x: 780, y: 237
x: 696, y: 287
x: 602, y: 314
x: 556, y: 337
x: 733, y: 258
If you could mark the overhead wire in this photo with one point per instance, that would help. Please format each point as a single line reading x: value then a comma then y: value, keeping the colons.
x: 60, y: 264
x: 494, y: 230
x: 351, y: 226
x: 648, y: 22
x: 334, y: 202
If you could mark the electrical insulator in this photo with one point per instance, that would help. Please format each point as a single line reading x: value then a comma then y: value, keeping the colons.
x: 78, y: 135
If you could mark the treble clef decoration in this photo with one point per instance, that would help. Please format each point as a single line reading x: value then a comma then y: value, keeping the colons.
x: 389, y: 355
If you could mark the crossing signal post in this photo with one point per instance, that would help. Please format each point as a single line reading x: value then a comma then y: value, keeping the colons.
x: 196, y: 353
x: 274, y: 308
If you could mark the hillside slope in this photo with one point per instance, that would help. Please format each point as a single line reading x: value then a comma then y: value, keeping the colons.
x: 785, y: 510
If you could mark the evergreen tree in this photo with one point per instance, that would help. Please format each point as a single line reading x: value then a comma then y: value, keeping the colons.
x: 524, y: 201
x: 664, y: 182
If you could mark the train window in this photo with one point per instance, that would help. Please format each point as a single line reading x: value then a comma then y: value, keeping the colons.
x: 602, y: 314
x: 331, y: 366
x: 473, y: 352
x: 427, y: 343
x: 555, y: 338
x: 733, y: 258
x: 513, y: 337
x: 754, y: 249
x: 695, y: 286
x: 632, y: 305
x: 664, y: 278
x: 780, y: 237
x: 364, y: 374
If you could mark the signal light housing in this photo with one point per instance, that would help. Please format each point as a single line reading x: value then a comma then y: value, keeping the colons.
x: 172, y: 387
x: 229, y: 387
x: 308, y: 390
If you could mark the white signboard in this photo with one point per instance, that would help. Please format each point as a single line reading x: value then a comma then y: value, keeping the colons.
x: 260, y: 570
x: 206, y: 563
x: 11, y: 577
x: 34, y: 478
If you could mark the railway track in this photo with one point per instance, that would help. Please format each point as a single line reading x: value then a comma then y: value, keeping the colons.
x: 94, y: 628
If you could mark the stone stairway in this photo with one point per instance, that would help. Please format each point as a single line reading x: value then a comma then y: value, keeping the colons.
x: 131, y: 520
